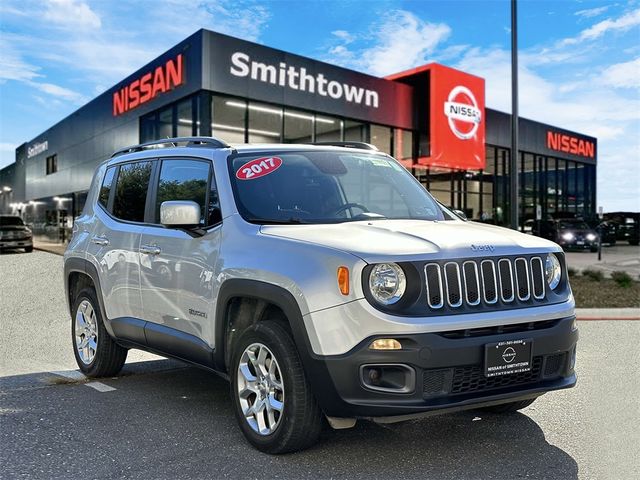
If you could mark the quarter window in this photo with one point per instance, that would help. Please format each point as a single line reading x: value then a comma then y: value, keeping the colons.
x: 105, y: 189
x: 184, y: 180
x: 131, y: 191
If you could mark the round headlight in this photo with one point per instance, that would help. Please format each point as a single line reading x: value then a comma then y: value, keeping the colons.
x: 553, y: 271
x: 387, y: 283
x: 591, y: 237
x: 567, y: 236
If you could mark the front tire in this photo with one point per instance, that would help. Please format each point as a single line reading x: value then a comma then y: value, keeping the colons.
x: 96, y: 353
x: 28, y: 249
x: 509, y: 407
x: 272, y: 399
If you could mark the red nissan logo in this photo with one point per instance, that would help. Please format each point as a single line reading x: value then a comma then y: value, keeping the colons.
x: 461, y: 108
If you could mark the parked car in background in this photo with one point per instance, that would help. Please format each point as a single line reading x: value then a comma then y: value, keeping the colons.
x: 627, y: 226
x: 574, y: 233
x: 606, y: 230
x: 15, y: 234
x: 569, y: 233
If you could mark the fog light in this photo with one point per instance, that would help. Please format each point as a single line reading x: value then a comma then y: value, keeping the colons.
x: 385, y: 344
x: 374, y: 376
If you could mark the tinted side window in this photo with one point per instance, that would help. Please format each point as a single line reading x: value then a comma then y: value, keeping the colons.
x: 105, y: 189
x: 183, y: 180
x: 131, y: 191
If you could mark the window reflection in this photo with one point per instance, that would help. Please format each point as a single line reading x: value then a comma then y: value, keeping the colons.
x: 228, y: 116
x: 265, y: 122
x: 298, y: 126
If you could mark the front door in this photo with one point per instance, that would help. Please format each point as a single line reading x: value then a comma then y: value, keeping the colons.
x: 177, y: 268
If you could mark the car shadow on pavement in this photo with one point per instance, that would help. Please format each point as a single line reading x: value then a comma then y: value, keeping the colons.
x: 162, y: 423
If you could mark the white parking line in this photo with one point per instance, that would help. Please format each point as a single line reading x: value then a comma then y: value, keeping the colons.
x: 72, y: 374
x: 78, y: 375
x: 101, y: 387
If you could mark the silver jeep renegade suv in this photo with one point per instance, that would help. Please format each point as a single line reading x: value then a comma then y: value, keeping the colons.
x: 323, y: 281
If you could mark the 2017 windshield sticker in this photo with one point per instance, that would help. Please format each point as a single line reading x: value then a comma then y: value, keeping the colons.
x: 258, y: 168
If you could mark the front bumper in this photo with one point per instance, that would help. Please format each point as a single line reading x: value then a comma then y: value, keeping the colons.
x: 448, y: 371
x: 577, y: 244
x: 27, y: 242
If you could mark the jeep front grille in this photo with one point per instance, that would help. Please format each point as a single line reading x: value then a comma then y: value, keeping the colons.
x: 472, y: 283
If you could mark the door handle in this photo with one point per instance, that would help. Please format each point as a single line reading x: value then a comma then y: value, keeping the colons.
x: 102, y: 241
x: 150, y: 249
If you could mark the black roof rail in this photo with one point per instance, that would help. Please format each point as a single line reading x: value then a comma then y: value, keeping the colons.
x: 360, y: 145
x: 207, y: 142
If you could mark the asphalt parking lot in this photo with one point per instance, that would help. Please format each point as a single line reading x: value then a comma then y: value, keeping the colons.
x: 162, y: 419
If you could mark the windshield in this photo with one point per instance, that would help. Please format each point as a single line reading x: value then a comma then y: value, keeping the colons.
x: 10, y: 221
x: 573, y: 225
x: 327, y: 187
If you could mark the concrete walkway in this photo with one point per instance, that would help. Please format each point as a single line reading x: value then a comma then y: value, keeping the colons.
x: 608, y: 313
x: 619, y: 258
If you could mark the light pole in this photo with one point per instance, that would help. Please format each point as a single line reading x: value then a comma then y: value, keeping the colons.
x: 513, y: 170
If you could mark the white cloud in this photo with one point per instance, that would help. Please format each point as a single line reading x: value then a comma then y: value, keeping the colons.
x: 405, y: 41
x: 13, y: 66
x: 343, y: 35
x: 401, y: 40
x: 621, y: 24
x: 59, y: 92
x: 591, y: 12
x: 245, y: 19
x: 72, y: 13
x: 623, y: 75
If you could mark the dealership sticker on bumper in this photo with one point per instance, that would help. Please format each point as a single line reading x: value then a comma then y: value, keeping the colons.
x: 506, y: 358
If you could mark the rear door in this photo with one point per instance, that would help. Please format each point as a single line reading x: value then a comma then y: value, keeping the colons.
x: 115, y: 238
x: 177, y: 266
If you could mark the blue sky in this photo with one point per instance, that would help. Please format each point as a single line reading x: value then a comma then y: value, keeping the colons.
x: 579, y: 60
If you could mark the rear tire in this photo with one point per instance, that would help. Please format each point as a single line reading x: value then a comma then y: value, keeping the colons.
x: 509, y: 407
x: 254, y: 388
x: 28, y: 249
x: 97, y: 354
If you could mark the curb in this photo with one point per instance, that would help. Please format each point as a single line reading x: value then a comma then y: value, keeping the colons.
x: 48, y: 250
x: 593, y: 319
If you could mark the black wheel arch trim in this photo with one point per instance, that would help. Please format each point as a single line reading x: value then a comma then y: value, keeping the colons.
x: 315, y: 368
x: 84, y: 266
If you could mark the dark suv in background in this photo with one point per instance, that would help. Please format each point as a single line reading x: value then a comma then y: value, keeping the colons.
x: 569, y: 233
x: 15, y: 234
x: 627, y: 226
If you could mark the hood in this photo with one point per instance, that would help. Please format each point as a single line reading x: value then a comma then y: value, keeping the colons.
x: 404, y: 240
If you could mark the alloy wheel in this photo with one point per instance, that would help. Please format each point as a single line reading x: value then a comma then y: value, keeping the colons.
x: 260, y: 389
x: 86, y: 332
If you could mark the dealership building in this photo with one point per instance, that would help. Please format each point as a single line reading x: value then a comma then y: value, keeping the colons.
x: 431, y: 118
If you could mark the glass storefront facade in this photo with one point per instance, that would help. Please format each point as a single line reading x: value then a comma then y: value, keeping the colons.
x: 553, y: 186
x: 238, y: 120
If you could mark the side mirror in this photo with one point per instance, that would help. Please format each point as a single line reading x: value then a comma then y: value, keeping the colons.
x: 180, y: 213
x: 461, y: 214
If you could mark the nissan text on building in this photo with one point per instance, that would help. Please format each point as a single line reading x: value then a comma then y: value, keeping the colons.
x: 432, y: 118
